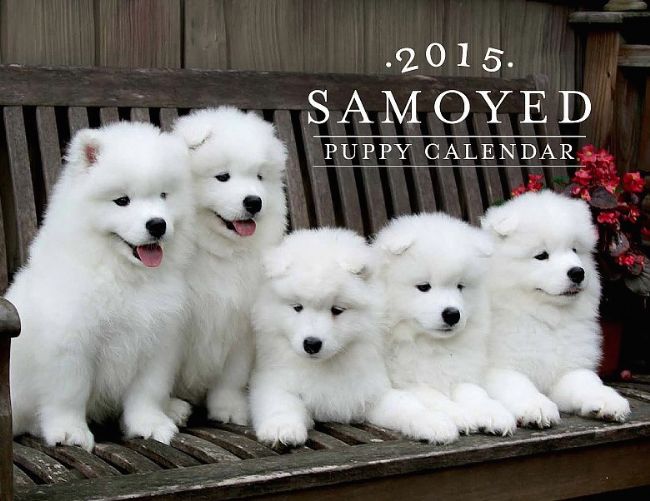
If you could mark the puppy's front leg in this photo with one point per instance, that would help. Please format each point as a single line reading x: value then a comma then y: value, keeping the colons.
x: 520, y: 396
x: 148, y: 397
x: 226, y: 400
x: 279, y: 417
x: 488, y: 415
x: 66, y: 383
x: 582, y: 392
x: 401, y: 410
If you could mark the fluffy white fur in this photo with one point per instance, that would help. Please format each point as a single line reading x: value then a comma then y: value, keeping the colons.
x: 226, y: 267
x: 545, y: 337
x: 313, y: 275
x: 431, y: 263
x: 99, y: 329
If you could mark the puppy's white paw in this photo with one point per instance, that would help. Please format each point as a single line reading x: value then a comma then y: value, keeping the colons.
x: 178, y: 411
x: 228, y: 407
x: 465, y: 422
x: 67, y: 431
x: 606, y: 404
x: 434, y: 427
x: 155, y: 425
x: 282, y: 432
x: 494, y: 419
x: 538, y: 411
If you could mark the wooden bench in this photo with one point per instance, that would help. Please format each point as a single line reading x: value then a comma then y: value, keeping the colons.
x: 42, y: 107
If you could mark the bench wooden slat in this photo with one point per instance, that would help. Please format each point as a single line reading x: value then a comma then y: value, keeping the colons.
x: 241, y: 446
x: 4, y: 272
x: 296, y: 198
x: 109, y: 115
x: 425, y: 200
x: 21, y: 479
x: 449, y: 199
x: 490, y: 167
x: 526, y: 129
x: 167, y: 118
x: 153, y: 87
x: 318, y: 177
x: 345, y: 177
x: 318, y: 440
x: 124, y: 458
x: 42, y: 466
x: 76, y: 458
x: 21, y: 180
x: 77, y: 118
x: 48, y: 140
x: 468, y: 176
x: 204, y: 451
x: 164, y: 455
x: 347, y: 433
x: 512, y: 166
x: 372, y: 188
x: 140, y: 115
x: 396, y: 177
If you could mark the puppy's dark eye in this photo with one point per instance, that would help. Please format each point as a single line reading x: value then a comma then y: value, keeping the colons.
x: 297, y: 308
x: 259, y: 176
x: 163, y: 195
x: 424, y: 287
x: 460, y: 287
x: 542, y: 256
x: 337, y: 310
x: 575, y: 250
x: 122, y: 201
x: 223, y: 177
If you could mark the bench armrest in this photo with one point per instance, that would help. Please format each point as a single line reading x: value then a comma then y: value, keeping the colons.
x: 9, y: 327
x: 9, y: 319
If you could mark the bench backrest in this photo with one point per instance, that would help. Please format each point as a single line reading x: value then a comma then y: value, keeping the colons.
x: 43, y: 107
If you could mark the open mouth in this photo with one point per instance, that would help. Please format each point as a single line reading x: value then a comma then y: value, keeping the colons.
x: 151, y: 255
x: 571, y: 291
x: 243, y: 227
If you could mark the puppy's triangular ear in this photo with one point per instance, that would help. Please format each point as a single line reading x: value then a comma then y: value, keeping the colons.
x: 84, y: 148
x: 356, y: 267
x: 500, y: 221
x: 396, y: 243
x: 275, y: 263
x: 193, y: 132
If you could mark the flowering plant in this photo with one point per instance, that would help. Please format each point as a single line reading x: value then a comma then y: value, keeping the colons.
x: 617, y: 204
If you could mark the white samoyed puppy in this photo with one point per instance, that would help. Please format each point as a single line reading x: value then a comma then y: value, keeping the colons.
x: 433, y: 270
x: 545, y: 289
x: 101, y: 296
x: 320, y: 342
x: 238, y: 166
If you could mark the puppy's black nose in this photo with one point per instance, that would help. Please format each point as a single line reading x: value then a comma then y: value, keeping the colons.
x: 451, y: 316
x: 312, y: 345
x: 576, y: 274
x: 156, y: 227
x: 253, y: 204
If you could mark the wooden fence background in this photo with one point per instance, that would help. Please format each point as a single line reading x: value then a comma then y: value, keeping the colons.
x: 292, y: 35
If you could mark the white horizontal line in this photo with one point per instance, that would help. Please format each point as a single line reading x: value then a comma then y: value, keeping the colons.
x: 452, y: 137
x: 443, y: 166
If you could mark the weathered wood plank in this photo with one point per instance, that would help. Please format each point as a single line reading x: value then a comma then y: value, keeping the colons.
x: 395, y: 172
x: 140, y: 115
x: 124, y: 458
x: 109, y: 115
x: 489, y: 167
x: 204, y: 451
x: 512, y: 169
x: 469, y: 185
x: 333, y: 40
x: 449, y: 199
x: 241, y: 89
x: 54, y: 32
x: 206, y: 42
x: 139, y: 33
x: 241, y: 446
x: 48, y: 141
x: 167, y: 118
x: 251, y: 27
x: 164, y: 455
x: 21, y: 181
x: 425, y: 200
x: 77, y: 119
x: 42, y: 466
x: 296, y: 198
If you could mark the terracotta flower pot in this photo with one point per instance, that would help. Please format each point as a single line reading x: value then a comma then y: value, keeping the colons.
x: 612, y: 335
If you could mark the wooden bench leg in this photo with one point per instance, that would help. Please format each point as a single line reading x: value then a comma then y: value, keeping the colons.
x: 6, y: 447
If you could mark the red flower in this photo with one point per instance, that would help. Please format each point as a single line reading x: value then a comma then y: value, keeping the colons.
x: 608, y: 217
x: 633, y: 182
x: 586, y: 154
x: 535, y: 182
x: 633, y: 214
x: 519, y: 190
x: 582, y: 177
x: 626, y: 260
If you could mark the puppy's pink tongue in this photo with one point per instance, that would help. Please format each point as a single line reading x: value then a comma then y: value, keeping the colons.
x: 245, y: 227
x: 151, y: 254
